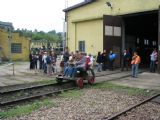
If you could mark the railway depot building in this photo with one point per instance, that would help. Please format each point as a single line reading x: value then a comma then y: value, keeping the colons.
x: 97, y: 25
x: 12, y: 45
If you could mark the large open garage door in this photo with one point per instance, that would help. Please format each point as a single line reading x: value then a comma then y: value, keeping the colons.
x: 112, y: 39
x: 141, y: 34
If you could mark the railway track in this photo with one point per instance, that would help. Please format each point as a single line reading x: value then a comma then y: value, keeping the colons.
x: 115, y: 116
x: 13, y: 94
x: 29, y: 92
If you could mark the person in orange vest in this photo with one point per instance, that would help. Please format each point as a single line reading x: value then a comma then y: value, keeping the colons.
x: 135, y: 64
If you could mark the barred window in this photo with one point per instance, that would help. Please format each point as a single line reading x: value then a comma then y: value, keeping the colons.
x: 82, y: 46
x: 16, y: 48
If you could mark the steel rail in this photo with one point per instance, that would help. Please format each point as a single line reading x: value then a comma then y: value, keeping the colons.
x: 130, y: 108
x: 59, y: 89
x: 23, y: 88
x: 37, y: 86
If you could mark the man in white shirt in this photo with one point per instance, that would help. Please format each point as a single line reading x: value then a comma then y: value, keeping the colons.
x: 44, y: 62
x: 153, y: 59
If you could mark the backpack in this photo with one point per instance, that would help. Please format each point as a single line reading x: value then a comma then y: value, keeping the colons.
x: 48, y: 60
x: 112, y: 56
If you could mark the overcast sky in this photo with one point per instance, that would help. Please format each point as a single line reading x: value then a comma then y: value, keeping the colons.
x: 43, y: 15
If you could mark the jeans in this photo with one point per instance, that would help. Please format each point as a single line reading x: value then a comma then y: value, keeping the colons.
x: 68, y: 71
x: 49, y: 69
x: 134, y: 70
x: 152, y: 66
x: 111, y: 62
x: 45, y: 67
x: 99, y: 67
x: 104, y: 66
x: 125, y: 65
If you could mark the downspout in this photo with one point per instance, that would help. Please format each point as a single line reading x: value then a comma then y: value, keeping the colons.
x: 123, y: 41
x: 66, y: 29
x: 75, y: 36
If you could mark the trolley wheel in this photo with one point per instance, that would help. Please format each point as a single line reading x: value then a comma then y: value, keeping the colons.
x: 79, y: 82
x: 91, y: 80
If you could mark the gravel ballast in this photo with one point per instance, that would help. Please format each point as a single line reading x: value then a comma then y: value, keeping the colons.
x: 148, y: 111
x: 93, y: 104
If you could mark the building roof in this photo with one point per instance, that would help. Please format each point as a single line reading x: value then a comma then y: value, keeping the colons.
x: 78, y: 5
x: 6, y: 25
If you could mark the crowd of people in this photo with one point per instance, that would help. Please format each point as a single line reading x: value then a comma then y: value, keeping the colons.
x: 128, y: 61
x: 45, y: 60
x: 71, y: 61
x: 105, y: 61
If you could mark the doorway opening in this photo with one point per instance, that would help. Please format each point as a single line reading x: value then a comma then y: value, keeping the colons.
x: 141, y: 34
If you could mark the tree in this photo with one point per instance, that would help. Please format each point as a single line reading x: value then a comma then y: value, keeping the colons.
x: 41, y: 35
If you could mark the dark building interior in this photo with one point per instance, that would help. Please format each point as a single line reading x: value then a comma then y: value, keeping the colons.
x: 141, y: 34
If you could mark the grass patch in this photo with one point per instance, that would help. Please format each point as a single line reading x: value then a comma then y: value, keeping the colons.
x: 47, y: 81
x: 25, y: 109
x: 20, y: 62
x: 121, y: 88
x: 72, y: 94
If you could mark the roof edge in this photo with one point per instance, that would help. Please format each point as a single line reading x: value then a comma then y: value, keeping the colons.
x: 78, y: 5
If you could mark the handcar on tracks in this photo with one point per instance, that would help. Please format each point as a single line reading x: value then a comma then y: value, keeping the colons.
x: 79, y: 76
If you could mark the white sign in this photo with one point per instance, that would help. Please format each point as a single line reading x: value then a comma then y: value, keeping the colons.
x: 117, y: 31
x: 109, y: 30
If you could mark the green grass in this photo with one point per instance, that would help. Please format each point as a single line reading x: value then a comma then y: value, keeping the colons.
x: 29, y: 108
x: 19, y: 62
x: 72, y: 94
x: 25, y: 109
x: 124, y: 89
x: 47, y: 81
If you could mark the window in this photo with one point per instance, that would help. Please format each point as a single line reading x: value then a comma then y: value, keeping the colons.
x: 82, y: 46
x: 16, y: 48
x: 112, y: 31
x: 138, y: 41
x: 146, y: 42
x: 117, y: 31
x: 109, y: 30
x: 154, y: 43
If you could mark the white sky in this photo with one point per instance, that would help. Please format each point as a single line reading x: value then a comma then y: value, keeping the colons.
x: 43, y: 15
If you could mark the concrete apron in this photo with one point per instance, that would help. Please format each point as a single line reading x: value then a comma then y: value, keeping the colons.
x: 145, y: 80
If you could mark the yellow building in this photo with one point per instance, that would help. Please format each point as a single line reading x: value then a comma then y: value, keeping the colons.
x: 13, y: 46
x: 97, y: 25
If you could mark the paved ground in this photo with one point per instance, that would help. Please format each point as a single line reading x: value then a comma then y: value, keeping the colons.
x: 24, y: 75
x: 145, y: 80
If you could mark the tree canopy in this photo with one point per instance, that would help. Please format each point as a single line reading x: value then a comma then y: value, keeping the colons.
x: 40, y: 35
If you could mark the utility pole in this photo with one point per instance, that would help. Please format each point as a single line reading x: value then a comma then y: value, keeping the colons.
x: 64, y: 36
x: 66, y: 4
x: 64, y: 28
x: 10, y: 43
